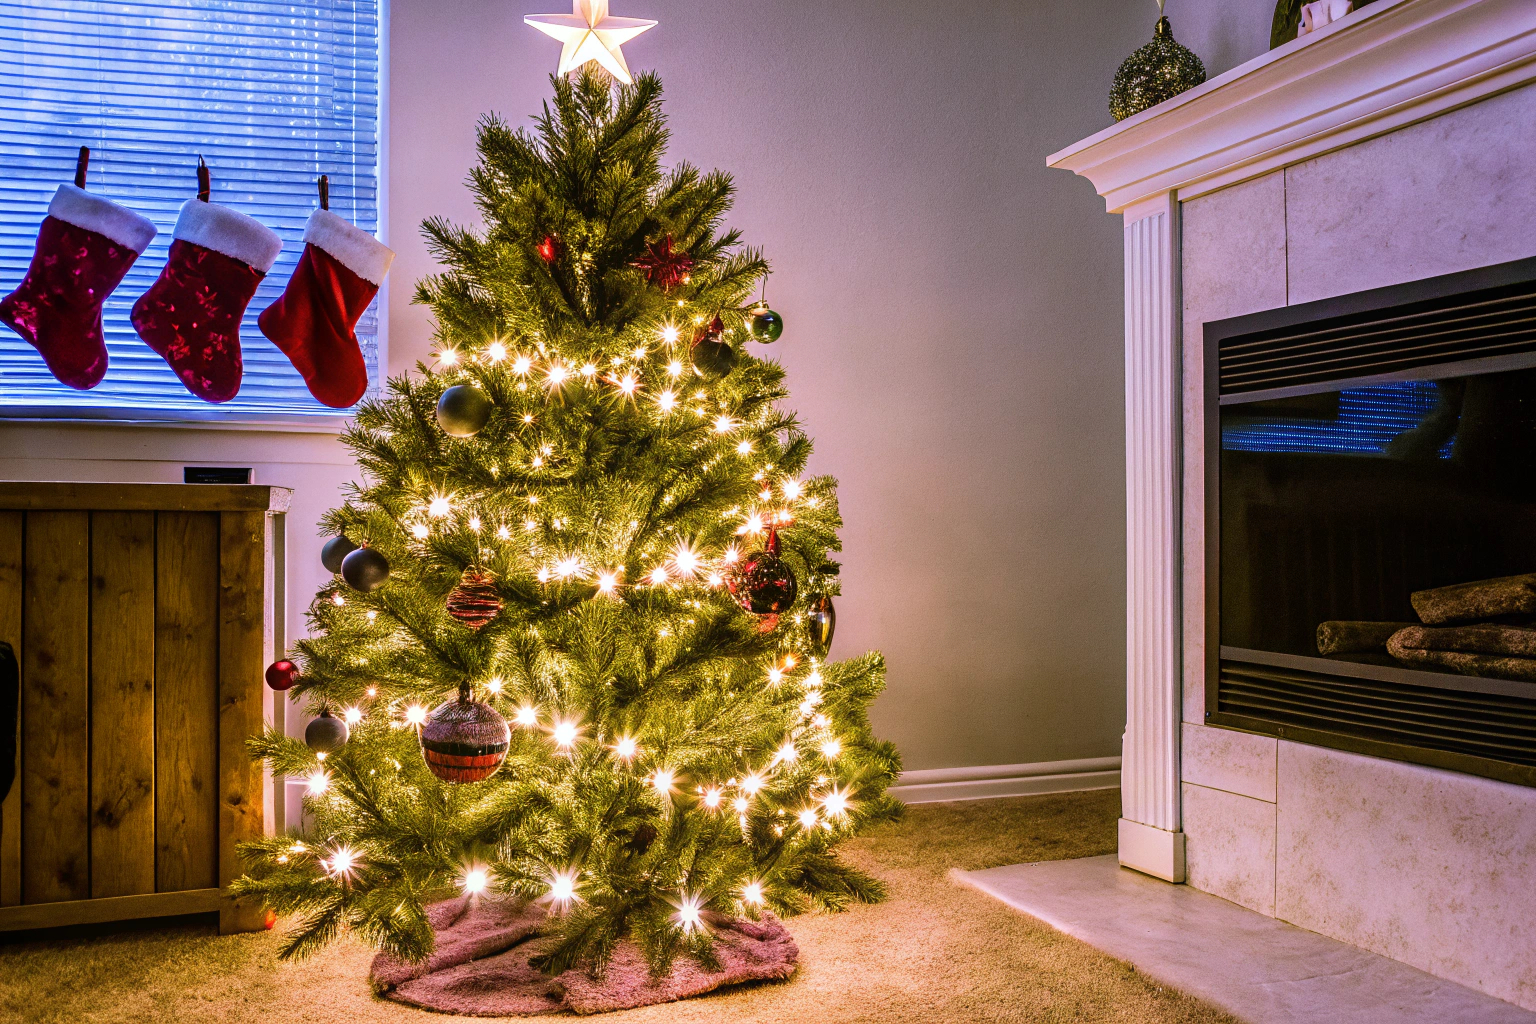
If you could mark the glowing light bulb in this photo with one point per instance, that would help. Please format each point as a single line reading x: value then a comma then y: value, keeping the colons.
x: 740, y: 803
x: 688, y: 916
x: 831, y: 749
x: 835, y: 803
x: 543, y: 575
x: 448, y: 357
x: 415, y: 715
x: 744, y: 448
x: 474, y: 523
x: 711, y: 798
x: 607, y: 582
x: 715, y: 579
x: 562, y: 888
x: 338, y: 600
x: 792, y: 489
x: 674, y: 369
x: 724, y: 424
x: 373, y: 691
x: 475, y: 881
x: 502, y: 533
x: 666, y: 401
x: 352, y: 716
x: 589, y: 370
x: 538, y: 460
x: 754, y: 524
x: 496, y: 352
x: 371, y: 615
x: 751, y: 784
x: 752, y: 893
x: 787, y: 754
x: 564, y: 735
x: 318, y: 782
x: 421, y: 531
x: 807, y: 818
x: 439, y: 506
x: 669, y: 334
x: 659, y: 576
x: 494, y: 684
x: 730, y: 555
x: 521, y: 365
x: 662, y: 781
x: 685, y: 560
x: 568, y: 567
x: 775, y: 675
x: 527, y: 716
x: 556, y: 375
x: 813, y: 680
x: 342, y: 862
x: 626, y: 748
x: 627, y: 384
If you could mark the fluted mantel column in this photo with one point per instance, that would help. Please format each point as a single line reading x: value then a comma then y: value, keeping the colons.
x: 1150, y: 836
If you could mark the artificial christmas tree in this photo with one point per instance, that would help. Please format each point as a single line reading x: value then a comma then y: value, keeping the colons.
x: 670, y: 757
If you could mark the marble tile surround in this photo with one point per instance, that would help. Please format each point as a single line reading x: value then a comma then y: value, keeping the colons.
x: 1433, y: 868
x: 1229, y: 847
x: 1237, y: 762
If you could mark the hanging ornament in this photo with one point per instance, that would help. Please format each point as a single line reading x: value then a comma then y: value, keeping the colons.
x: 762, y: 582
x: 282, y: 674
x: 365, y: 569
x: 464, y: 740
x: 711, y: 352
x: 664, y: 268
x: 550, y: 249
x: 463, y: 410
x: 821, y: 622
x: 474, y: 602
x: 326, y: 734
x: 1158, y: 71
x: 763, y: 324
x: 336, y: 549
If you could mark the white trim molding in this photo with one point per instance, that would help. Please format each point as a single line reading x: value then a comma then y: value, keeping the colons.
x: 989, y: 781
x: 1379, y: 69
x: 1149, y: 794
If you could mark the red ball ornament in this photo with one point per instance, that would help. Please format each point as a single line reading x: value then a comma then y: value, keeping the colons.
x: 664, y: 268
x: 464, y: 740
x: 474, y: 602
x: 550, y: 249
x: 762, y: 582
x: 282, y: 674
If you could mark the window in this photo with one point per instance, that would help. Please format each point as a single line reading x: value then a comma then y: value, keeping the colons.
x: 271, y: 94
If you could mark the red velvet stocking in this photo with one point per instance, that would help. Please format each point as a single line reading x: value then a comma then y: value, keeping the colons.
x: 84, y: 247
x: 314, y: 321
x: 191, y: 314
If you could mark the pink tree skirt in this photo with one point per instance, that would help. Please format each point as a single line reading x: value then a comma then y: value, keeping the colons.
x: 480, y: 967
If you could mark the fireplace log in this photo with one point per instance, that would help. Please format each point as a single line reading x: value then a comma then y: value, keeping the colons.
x: 1470, y: 602
x: 1487, y: 638
x: 1338, y: 636
x: 1486, y: 666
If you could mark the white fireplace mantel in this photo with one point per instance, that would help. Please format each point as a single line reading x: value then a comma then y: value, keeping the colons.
x: 1387, y: 66
x: 1379, y: 69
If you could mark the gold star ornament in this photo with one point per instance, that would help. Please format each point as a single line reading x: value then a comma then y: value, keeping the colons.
x: 588, y: 33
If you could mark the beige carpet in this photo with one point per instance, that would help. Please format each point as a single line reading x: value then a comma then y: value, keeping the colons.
x: 935, y: 952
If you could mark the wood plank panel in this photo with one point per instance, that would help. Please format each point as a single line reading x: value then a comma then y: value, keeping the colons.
x: 122, y: 703
x: 245, y: 641
x: 186, y: 700
x: 11, y: 524
x: 55, y: 800
x: 144, y: 497
x: 113, y: 908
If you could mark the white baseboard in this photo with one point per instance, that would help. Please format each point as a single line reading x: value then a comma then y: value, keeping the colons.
x: 990, y: 781
x: 1152, y: 851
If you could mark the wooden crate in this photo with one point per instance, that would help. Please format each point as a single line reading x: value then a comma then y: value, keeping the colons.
x: 143, y: 617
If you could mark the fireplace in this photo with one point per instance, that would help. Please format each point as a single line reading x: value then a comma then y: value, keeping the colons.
x: 1362, y: 449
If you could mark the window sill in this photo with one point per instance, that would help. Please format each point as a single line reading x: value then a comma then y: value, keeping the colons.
x: 251, y: 423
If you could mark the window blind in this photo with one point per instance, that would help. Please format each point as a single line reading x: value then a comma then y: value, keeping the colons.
x: 271, y: 94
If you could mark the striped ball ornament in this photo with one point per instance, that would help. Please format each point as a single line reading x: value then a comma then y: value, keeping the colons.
x: 474, y: 601
x: 464, y: 740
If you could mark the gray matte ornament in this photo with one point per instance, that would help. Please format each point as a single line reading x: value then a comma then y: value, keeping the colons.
x: 326, y: 734
x: 365, y: 569
x: 336, y: 549
x: 464, y: 410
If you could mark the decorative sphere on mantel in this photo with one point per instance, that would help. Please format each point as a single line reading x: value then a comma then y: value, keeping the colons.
x: 1158, y: 71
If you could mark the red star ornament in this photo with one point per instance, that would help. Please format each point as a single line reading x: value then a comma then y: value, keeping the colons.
x: 663, y: 267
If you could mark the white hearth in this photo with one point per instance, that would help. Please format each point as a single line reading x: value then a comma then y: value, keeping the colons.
x: 1394, y: 145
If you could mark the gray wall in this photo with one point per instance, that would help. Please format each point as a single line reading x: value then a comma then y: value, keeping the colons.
x: 953, y: 307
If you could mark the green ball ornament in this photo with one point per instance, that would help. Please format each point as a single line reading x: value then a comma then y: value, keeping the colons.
x: 763, y: 324
x: 1158, y: 71
x: 711, y: 353
x: 464, y: 410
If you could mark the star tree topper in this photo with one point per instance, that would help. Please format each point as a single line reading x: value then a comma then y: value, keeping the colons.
x: 590, y: 34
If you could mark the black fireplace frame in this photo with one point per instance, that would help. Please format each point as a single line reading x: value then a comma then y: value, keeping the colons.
x: 1427, y: 718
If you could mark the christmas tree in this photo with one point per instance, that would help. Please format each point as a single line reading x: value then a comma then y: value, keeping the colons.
x: 578, y: 655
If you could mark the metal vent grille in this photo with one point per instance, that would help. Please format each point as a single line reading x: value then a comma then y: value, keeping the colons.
x: 1472, y: 325
x: 1483, y: 726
